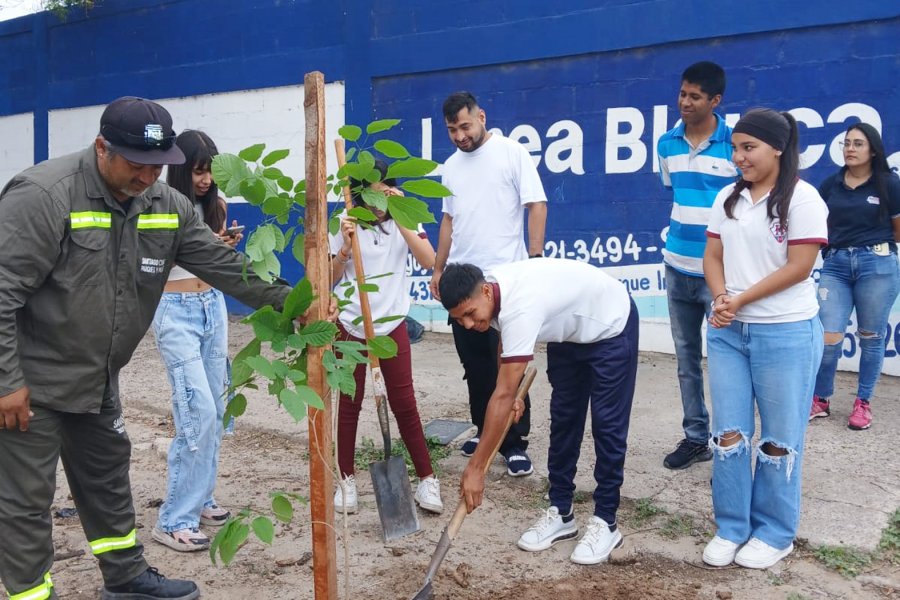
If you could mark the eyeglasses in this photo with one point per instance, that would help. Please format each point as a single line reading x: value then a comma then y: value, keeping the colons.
x: 858, y: 144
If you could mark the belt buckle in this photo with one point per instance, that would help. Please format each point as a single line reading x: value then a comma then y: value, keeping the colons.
x: 882, y: 249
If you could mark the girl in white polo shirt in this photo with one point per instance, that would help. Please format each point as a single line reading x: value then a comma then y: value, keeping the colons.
x: 384, y: 248
x: 764, y: 340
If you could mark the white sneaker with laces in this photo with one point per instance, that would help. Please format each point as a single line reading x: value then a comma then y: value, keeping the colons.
x: 548, y: 530
x: 596, y: 544
x: 720, y: 552
x: 756, y: 554
x: 428, y: 495
x: 351, y: 503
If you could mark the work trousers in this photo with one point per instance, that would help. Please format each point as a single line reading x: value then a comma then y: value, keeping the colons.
x: 96, y: 454
x: 479, y: 353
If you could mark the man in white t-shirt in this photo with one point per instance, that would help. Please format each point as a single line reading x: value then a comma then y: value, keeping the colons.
x: 493, y: 180
x: 590, y: 325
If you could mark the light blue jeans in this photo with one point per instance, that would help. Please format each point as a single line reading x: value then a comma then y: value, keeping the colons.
x: 689, y: 300
x: 772, y: 366
x: 192, y: 336
x: 856, y: 277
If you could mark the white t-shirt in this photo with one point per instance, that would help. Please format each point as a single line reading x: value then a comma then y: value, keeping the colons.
x: 490, y: 187
x: 754, y: 247
x: 383, y: 252
x: 555, y: 300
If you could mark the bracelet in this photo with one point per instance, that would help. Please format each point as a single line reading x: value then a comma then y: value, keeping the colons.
x: 712, y: 304
x: 343, y: 258
x: 536, y: 256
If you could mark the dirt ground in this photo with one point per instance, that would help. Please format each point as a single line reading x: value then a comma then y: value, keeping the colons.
x: 665, y: 516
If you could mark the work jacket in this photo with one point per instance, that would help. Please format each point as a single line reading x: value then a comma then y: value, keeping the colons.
x: 80, y: 278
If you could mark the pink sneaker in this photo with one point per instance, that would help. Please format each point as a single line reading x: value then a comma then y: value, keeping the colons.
x: 819, y: 408
x: 861, y: 417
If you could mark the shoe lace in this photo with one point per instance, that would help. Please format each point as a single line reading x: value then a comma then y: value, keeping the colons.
x: 432, y: 486
x: 860, y: 409
x: 595, y: 530
x: 546, y: 521
x: 154, y: 572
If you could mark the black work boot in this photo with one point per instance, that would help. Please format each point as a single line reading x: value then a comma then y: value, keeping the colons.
x: 150, y: 585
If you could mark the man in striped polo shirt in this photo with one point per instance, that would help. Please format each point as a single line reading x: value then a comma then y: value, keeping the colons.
x: 695, y: 162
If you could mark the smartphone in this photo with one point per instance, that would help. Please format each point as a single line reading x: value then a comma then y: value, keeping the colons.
x: 233, y: 231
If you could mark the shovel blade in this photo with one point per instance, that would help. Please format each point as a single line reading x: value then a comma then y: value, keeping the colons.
x: 426, y: 592
x: 394, y: 498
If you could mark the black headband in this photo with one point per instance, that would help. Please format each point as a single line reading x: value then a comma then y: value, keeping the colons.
x: 766, y: 125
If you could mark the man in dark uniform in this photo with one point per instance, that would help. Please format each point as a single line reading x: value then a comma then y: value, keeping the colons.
x: 86, y: 243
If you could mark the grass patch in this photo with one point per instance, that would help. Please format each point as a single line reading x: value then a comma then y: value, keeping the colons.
x: 677, y: 526
x: 889, y: 546
x: 846, y: 560
x: 796, y: 596
x: 367, y: 452
x: 644, y: 511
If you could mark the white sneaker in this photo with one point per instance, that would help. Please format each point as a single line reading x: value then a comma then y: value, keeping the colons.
x: 351, y: 503
x: 720, y: 552
x: 596, y: 544
x: 756, y: 554
x: 548, y: 530
x: 428, y: 495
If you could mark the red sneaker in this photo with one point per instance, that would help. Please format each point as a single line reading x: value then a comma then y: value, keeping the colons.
x: 861, y: 417
x: 820, y: 408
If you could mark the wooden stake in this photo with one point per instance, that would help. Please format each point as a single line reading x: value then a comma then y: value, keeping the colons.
x: 319, y: 274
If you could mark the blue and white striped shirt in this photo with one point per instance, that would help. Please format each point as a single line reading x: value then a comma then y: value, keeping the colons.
x: 696, y: 175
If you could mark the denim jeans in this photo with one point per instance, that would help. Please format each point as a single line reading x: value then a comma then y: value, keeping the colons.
x: 689, y: 300
x: 774, y: 365
x: 856, y: 277
x: 192, y: 336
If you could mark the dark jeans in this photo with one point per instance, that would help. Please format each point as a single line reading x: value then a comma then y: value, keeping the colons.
x: 599, y: 377
x: 479, y: 354
x: 689, y: 300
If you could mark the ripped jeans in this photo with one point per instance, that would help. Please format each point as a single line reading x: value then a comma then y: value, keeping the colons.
x: 191, y: 331
x: 856, y: 278
x: 772, y: 367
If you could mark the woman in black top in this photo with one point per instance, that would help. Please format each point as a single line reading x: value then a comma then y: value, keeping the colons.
x: 860, y: 269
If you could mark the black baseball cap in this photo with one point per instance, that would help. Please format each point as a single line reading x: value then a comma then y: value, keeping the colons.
x: 141, y: 131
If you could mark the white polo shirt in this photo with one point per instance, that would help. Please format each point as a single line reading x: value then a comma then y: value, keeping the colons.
x: 755, y: 246
x: 555, y: 300
x: 384, y: 253
x: 491, y: 187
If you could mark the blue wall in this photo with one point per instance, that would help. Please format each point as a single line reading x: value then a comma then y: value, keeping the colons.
x: 530, y: 62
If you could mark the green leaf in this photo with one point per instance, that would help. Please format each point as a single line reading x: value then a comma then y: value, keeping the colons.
x: 283, y: 509
x: 334, y: 225
x: 236, y: 407
x: 340, y: 377
x: 299, y: 299
x: 274, y: 156
x: 318, y: 333
x: 426, y: 187
x: 298, y: 248
x: 350, y: 133
x: 272, y: 173
x: 301, y: 186
x: 350, y: 153
x: 253, y: 190
x: 411, y: 167
x: 241, y: 373
x: 391, y: 149
x: 229, y: 171
x: 370, y: 288
x: 275, y: 387
x: 361, y: 213
x: 232, y: 541
x: 261, y: 365
x: 263, y: 528
x: 366, y: 159
x: 286, y: 183
x: 388, y: 319
x: 351, y: 351
x: 382, y: 346
x: 293, y: 403
x: 252, y: 153
x: 268, y: 324
x: 310, y: 397
x: 375, y: 198
x: 381, y: 125
x: 296, y: 376
x: 409, y: 212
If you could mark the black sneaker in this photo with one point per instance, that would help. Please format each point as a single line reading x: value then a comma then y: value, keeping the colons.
x: 469, y: 446
x: 686, y: 454
x: 150, y: 585
x: 518, y: 463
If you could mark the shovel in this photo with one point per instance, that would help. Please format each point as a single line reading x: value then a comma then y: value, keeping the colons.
x: 393, y: 493
x: 449, y: 533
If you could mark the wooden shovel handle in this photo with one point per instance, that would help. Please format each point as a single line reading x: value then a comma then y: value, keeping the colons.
x: 460, y: 514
